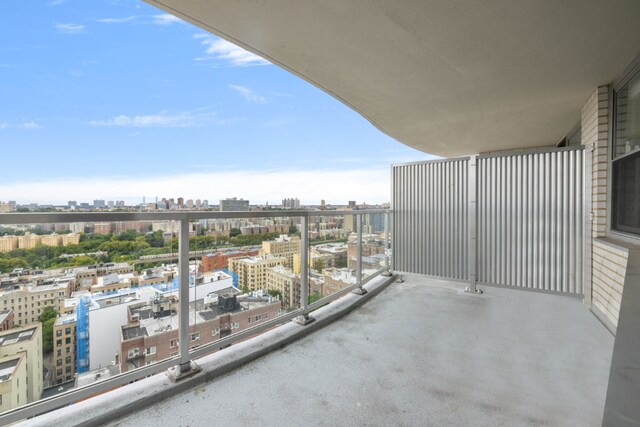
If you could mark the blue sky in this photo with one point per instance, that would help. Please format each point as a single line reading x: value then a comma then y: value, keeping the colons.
x: 117, y: 100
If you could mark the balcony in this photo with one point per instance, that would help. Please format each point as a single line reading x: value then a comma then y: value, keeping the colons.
x: 419, y: 352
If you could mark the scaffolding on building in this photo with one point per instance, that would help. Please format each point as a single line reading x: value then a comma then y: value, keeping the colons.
x: 82, y: 335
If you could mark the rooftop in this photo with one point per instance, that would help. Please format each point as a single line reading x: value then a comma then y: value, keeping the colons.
x: 15, y: 336
x: 7, y: 368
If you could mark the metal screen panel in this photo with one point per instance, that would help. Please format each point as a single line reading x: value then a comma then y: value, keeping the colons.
x: 430, y: 212
x: 528, y: 212
x: 531, y: 219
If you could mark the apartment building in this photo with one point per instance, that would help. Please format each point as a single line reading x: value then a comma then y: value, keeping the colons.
x: 28, y: 301
x: 13, y: 372
x: 152, y: 331
x: 220, y: 260
x: 283, y: 246
x: 8, y: 243
x: 234, y: 204
x: 372, y: 244
x: 287, y: 283
x: 252, y: 271
x: 64, y: 348
x: 30, y: 241
x: 20, y: 366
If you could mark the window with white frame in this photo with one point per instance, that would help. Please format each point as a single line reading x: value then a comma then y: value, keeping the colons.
x: 195, y: 337
x: 625, y: 165
x: 150, y: 350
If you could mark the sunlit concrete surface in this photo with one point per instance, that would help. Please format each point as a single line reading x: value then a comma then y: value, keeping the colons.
x: 420, y: 353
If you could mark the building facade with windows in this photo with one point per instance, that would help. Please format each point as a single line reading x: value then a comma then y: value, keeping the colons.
x: 151, y: 334
x: 21, y: 366
x: 64, y: 348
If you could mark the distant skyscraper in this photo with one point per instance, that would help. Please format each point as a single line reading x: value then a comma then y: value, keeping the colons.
x: 180, y: 201
x: 291, y: 203
x: 72, y: 204
x: 234, y: 204
x: 352, y: 204
x: 99, y: 204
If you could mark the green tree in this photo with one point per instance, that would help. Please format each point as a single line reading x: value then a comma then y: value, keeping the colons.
x: 234, y: 232
x: 47, y: 318
x: 313, y: 298
x: 318, y: 265
x: 293, y: 229
x: 341, y: 263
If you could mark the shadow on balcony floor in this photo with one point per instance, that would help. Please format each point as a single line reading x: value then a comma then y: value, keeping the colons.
x: 420, y: 353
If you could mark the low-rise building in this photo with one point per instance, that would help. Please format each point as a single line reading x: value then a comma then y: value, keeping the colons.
x: 152, y: 332
x: 28, y: 301
x: 252, y: 271
x: 284, y: 281
x: 220, y: 260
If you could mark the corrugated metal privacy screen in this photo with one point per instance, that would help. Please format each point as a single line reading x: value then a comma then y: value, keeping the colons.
x: 430, y: 218
x: 530, y: 219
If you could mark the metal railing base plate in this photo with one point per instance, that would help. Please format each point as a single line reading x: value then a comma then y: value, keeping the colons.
x: 359, y: 291
x: 175, y: 374
x: 304, y: 320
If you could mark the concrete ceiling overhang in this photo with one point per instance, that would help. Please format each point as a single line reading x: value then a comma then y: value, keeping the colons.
x: 447, y: 77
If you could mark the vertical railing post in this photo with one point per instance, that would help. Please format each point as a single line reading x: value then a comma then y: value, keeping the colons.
x: 472, y: 225
x: 387, y: 245
x: 359, y: 290
x: 185, y: 366
x: 304, y: 318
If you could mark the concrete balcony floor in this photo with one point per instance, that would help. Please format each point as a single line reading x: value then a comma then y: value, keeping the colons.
x: 420, y: 353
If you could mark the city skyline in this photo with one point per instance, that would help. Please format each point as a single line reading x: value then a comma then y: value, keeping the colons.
x: 117, y: 100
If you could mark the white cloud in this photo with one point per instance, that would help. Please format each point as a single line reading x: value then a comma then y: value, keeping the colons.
x: 166, y: 19
x: 3, y: 125
x: 117, y: 20
x: 70, y: 28
x: 162, y: 19
x: 369, y: 185
x: 163, y: 119
x: 222, y: 50
x: 56, y: 2
x: 248, y: 94
x: 30, y: 125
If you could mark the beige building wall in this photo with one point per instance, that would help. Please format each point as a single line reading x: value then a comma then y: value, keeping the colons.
x: 287, y: 283
x: 8, y: 243
x: 64, y: 350
x: 13, y: 391
x: 27, y: 341
x: 608, y: 255
x: 252, y: 272
x: 286, y: 247
x: 70, y: 239
x: 28, y: 302
x: 29, y: 241
x: 51, y: 240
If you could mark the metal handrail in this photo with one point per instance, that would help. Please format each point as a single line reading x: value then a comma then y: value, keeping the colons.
x: 62, y: 217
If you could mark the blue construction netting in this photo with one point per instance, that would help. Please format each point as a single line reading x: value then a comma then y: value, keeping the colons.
x: 82, y: 335
x: 233, y: 275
